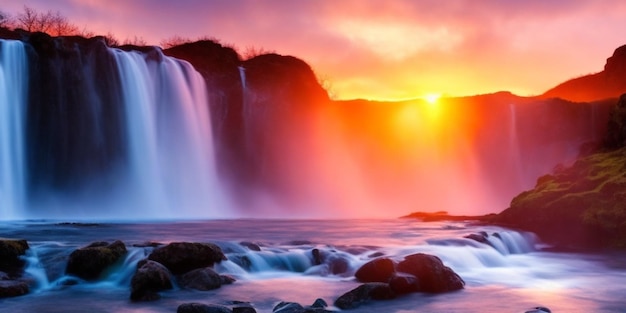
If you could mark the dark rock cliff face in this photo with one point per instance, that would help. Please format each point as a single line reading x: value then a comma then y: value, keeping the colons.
x: 609, y: 83
x: 281, y: 98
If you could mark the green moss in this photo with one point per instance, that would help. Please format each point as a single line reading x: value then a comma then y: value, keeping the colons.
x: 590, y: 195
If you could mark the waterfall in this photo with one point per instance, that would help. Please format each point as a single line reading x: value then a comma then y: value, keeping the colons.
x: 242, y: 76
x: 13, y: 96
x: 514, y: 145
x: 171, y: 167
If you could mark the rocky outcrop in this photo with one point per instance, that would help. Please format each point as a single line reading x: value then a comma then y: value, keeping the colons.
x: 182, y: 257
x: 581, y: 206
x: 150, y: 278
x: 89, y: 262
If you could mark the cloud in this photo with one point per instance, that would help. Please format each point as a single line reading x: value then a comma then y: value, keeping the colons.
x: 382, y: 48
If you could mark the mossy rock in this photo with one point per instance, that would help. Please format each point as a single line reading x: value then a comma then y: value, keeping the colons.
x: 581, y: 206
x: 91, y: 261
x: 10, y: 252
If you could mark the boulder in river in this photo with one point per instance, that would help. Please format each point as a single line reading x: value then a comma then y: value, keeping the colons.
x: 12, y: 288
x: 377, y: 270
x: 89, y: 262
x: 433, y: 275
x: 150, y: 278
x: 182, y: 257
x: 364, y: 293
x: 201, y: 279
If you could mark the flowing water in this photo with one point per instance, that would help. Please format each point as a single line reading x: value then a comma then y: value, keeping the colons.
x: 13, y: 86
x: 511, y: 274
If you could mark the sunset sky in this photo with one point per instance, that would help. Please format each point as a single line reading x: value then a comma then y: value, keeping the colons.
x: 384, y: 50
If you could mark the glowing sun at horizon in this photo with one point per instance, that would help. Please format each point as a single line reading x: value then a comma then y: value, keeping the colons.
x: 432, y: 98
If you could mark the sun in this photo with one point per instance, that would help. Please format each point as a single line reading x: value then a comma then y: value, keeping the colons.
x: 432, y: 98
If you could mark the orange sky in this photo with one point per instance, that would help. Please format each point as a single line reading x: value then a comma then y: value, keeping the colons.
x: 385, y: 50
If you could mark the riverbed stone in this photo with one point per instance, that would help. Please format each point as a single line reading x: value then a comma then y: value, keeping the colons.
x: 150, y: 278
x: 402, y: 283
x: 10, y: 252
x: 433, y: 275
x: 363, y: 294
x: 89, y: 262
x: 201, y: 279
x: 12, y: 288
x: 182, y: 257
x: 377, y: 270
x: 202, y: 308
x: 288, y: 307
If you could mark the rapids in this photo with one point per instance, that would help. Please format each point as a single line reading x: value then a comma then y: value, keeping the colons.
x: 509, y: 275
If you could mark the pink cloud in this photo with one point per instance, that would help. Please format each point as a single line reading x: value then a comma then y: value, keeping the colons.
x: 523, y: 46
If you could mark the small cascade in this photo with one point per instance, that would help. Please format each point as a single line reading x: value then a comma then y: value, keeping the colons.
x: 121, y: 274
x: 36, y: 271
x: 242, y: 76
x: 13, y: 102
x: 170, y: 144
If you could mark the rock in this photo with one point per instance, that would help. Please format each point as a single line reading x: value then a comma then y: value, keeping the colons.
x: 202, y: 308
x: 10, y: 252
x: 201, y: 279
x: 297, y: 243
x: 432, y: 274
x: 402, y: 283
x: 364, y: 293
x: 288, y: 307
x: 250, y: 245
x: 337, y: 265
x: 319, y: 303
x: 317, y: 256
x: 479, y: 237
x: 375, y: 255
x: 149, y: 278
x: 377, y: 270
x: 89, y: 262
x: 539, y: 309
x: 12, y: 288
x: 243, y: 308
x: 227, y: 279
x: 242, y: 260
x: 182, y: 257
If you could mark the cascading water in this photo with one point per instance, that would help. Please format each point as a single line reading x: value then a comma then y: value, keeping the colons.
x: 171, y: 166
x: 13, y: 97
x: 134, y: 143
x: 514, y: 143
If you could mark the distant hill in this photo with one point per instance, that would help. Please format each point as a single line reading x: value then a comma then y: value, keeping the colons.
x: 609, y: 83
